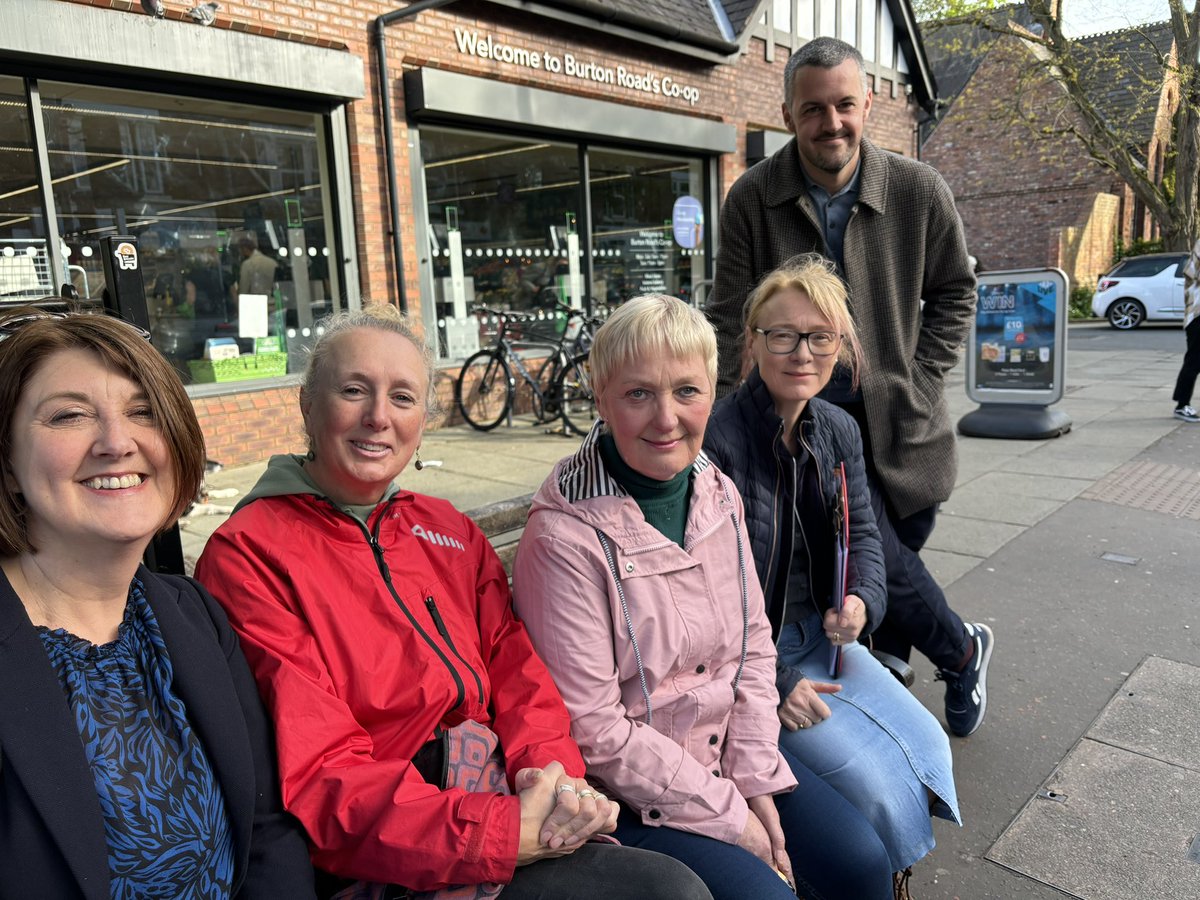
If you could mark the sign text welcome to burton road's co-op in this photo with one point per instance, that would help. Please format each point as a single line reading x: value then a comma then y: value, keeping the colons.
x: 650, y: 82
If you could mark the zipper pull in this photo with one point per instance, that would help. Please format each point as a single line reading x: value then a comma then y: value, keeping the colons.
x: 380, y: 561
x: 437, y: 618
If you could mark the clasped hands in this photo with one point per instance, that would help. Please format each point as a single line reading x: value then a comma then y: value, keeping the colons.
x: 559, y: 813
x: 803, y: 707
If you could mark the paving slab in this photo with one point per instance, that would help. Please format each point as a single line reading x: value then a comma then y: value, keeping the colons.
x: 970, y: 536
x: 979, y: 499
x: 947, y: 567
x: 1071, y: 461
x: 1155, y: 714
x: 1117, y: 817
x: 1044, y: 487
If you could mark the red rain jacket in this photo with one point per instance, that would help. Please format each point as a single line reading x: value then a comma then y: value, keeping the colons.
x: 364, y: 640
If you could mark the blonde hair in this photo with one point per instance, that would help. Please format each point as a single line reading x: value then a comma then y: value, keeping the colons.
x: 816, y: 277
x: 380, y: 316
x: 652, y: 323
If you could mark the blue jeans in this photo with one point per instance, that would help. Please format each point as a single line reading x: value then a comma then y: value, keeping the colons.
x: 879, y: 748
x: 834, y: 851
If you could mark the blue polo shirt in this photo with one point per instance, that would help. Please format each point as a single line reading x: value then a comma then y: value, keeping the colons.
x: 833, y: 213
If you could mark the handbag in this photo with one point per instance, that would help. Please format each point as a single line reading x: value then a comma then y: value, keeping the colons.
x: 468, y: 757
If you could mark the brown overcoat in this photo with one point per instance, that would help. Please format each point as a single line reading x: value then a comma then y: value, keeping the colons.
x: 903, y: 244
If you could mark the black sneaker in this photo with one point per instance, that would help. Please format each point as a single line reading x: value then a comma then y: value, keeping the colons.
x: 1187, y: 413
x: 966, y: 691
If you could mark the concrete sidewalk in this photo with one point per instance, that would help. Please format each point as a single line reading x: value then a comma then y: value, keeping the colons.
x: 1021, y: 545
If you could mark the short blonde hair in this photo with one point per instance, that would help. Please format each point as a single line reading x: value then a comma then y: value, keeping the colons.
x: 652, y: 323
x: 816, y: 277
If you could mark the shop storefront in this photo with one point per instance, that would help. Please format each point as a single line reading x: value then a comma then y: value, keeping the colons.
x: 571, y: 206
x: 537, y: 154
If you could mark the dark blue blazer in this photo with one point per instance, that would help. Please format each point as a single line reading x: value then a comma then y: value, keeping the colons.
x: 52, y: 840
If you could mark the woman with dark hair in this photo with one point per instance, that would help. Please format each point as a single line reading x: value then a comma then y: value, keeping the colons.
x: 137, y: 760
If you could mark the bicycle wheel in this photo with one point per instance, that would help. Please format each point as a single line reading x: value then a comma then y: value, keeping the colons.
x: 484, y: 391
x: 548, y: 383
x: 577, y: 399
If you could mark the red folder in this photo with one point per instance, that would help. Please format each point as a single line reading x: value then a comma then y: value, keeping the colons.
x: 841, y: 558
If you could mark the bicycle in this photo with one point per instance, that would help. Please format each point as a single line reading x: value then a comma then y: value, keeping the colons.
x: 486, y: 389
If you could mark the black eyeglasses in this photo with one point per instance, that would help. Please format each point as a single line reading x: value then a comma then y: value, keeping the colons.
x: 782, y: 341
x: 9, y: 327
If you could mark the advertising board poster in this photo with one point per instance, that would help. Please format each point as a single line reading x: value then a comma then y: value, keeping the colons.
x: 1015, y: 335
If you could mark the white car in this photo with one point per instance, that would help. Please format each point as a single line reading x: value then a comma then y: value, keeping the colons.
x: 1140, y: 289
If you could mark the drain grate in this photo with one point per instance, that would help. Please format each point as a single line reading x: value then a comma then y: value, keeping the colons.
x: 1156, y: 487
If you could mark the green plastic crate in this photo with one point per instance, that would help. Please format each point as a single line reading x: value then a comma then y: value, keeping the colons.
x: 240, y: 368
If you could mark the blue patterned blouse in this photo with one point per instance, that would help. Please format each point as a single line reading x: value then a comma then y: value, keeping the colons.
x: 164, y: 816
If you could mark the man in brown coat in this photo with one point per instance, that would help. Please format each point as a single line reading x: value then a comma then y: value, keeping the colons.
x: 891, y: 226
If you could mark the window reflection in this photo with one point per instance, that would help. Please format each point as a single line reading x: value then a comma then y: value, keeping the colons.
x: 635, y: 248
x: 508, y: 210
x: 226, y: 202
x: 507, y: 199
x: 24, y: 264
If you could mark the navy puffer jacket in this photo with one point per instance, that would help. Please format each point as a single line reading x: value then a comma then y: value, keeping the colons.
x: 745, y: 439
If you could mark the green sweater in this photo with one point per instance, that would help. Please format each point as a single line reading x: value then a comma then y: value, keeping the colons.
x: 663, y: 503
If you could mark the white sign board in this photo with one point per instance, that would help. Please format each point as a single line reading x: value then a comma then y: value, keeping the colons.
x: 252, y: 315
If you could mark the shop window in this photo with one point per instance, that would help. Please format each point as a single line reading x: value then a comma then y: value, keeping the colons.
x: 24, y: 260
x: 226, y: 201
x: 505, y: 228
x: 499, y: 205
x: 638, y: 247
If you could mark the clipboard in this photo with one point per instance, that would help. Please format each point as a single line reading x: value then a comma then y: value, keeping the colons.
x: 841, y: 558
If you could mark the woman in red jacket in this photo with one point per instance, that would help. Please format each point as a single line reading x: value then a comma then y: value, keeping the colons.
x: 379, y: 625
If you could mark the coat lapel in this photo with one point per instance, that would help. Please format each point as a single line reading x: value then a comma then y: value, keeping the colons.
x: 41, y: 746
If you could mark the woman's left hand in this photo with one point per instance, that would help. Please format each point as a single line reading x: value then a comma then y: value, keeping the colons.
x: 579, y: 812
x: 844, y: 627
x: 768, y: 815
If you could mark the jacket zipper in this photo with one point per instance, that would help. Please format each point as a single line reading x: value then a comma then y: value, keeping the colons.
x: 812, y: 593
x: 775, y: 533
x: 445, y: 633
x: 372, y: 537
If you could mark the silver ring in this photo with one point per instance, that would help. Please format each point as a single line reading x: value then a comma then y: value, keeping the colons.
x: 586, y: 793
x: 806, y: 722
x: 564, y: 788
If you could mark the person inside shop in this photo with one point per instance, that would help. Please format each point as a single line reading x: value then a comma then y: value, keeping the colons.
x: 790, y: 453
x: 137, y: 758
x: 380, y: 626
x: 635, y: 581
x: 256, y: 272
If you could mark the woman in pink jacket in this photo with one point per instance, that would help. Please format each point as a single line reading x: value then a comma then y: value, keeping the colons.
x: 635, y: 582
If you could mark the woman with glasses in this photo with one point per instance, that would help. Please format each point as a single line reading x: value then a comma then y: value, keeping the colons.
x: 135, y: 756
x: 797, y: 461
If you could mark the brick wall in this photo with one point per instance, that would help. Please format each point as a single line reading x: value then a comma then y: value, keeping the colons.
x: 251, y: 425
x: 1025, y: 200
